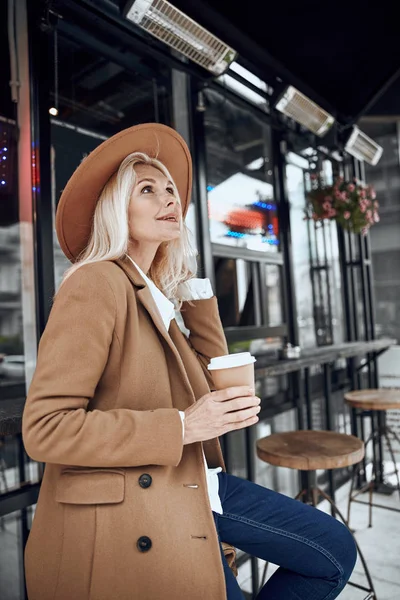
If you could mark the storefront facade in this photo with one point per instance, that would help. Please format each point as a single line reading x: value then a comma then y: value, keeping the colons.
x: 278, y: 277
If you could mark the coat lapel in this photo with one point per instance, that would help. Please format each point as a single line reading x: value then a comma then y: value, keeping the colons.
x: 145, y: 297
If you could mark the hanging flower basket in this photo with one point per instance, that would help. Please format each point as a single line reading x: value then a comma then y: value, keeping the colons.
x: 353, y: 205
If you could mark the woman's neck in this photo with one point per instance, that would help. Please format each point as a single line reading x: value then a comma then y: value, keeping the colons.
x: 142, y: 257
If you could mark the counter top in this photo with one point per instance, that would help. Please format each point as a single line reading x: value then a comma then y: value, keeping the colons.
x: 266, y: 367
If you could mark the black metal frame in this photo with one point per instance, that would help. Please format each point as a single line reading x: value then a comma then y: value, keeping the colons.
x: 349, y: 246
x: 39, y: 50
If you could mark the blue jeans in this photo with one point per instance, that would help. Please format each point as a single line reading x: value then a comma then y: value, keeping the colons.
x: 316, y: 553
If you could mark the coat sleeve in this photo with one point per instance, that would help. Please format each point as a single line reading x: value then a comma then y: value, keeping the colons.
x: 57, y: 426
x: 206, y: 337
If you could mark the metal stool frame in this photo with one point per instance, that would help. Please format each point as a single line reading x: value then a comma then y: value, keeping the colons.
x: 382, y: 431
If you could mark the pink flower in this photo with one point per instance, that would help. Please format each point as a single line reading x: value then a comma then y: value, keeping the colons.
x: 346, y: 214
x: 373, y: 194
x: 345, y: 197
x: 351, y: 187
x: 376, y: 217
x: 363, y: 194
x: 363, y: 208
x: 326, y: 205
x: 369, y: 214
x: 338, y: 195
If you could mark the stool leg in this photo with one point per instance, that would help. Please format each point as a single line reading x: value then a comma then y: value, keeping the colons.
x: 355, y: 474
x: 394, y: 434
x: 360, y: 554
x: 300, y: 494
x: 264, y: 576
x: 314, y: 497
x: 371, y: 492
x: 389, y: 445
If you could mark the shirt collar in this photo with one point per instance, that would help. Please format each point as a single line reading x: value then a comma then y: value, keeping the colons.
x: 165, y: 306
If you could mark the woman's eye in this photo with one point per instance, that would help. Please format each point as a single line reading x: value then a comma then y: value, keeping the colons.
x: 171, y: 190
x: 146, y: 189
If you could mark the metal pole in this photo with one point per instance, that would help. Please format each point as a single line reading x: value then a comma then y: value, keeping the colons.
x: 345, y: 283
x: 41, y: 52
x: 198, y: 146
x: 278, y: 150
x: 329, y: 418
x: 307, y: 392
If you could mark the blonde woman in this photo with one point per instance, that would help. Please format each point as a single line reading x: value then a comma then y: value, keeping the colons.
x: 135, y: 498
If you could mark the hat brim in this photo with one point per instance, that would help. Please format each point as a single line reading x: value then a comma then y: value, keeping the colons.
x: 79, y: 198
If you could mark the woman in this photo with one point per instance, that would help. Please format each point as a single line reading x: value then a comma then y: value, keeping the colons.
x: 135, y: 498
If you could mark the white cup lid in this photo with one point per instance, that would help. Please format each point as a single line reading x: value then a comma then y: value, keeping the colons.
x: 231, y: 360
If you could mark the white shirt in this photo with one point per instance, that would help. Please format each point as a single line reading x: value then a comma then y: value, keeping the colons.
x: 194, y: 289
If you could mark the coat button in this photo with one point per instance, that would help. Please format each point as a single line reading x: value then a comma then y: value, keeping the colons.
x: 144, y: 543
x: 145, y: 480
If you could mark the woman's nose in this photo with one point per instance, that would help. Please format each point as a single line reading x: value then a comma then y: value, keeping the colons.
x: 169, y: 200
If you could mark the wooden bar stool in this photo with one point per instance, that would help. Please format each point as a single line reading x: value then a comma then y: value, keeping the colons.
x: 308, y: 451
x: 374, y: 401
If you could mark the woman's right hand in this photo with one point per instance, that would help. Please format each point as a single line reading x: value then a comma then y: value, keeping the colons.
x: 218, y: 412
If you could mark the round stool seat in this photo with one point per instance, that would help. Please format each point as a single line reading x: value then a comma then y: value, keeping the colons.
x: 383, y: 399
x: 310, y: 450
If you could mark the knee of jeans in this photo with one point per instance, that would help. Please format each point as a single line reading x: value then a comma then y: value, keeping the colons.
x: 346, y: 549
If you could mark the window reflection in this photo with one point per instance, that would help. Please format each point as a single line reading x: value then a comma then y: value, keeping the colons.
x: 384, y: 237
x: 234, y: 290
x: 98, y: 98
x: 273, y: 286
x: 241, y: 206
x: 315, y: 266
x: 301, y: 258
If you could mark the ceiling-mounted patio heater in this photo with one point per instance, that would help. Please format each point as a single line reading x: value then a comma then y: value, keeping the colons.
x: 363, y: 147
x: 301, y: 109
x: 180, y: 32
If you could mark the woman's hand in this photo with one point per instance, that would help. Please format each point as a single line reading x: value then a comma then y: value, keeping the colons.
x: 218, y: 412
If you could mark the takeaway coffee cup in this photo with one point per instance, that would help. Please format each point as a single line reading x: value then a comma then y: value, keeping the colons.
x: 233, y: 369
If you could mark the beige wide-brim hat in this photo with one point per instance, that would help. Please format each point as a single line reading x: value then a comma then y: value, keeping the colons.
x: 79, y: 198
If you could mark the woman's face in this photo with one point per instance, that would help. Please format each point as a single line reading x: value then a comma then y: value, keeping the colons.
x: 154, y: 211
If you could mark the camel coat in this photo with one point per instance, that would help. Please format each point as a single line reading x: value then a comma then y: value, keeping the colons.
x: 123, y: 511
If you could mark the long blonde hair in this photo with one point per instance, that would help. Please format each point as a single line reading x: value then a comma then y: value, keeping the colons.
x: 109, y: 237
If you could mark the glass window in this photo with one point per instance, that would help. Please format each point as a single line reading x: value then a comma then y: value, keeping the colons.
x: 241, y: 205
x: 11, y: 564
x: 96, y: 99
x: 384, y: 236
x: 235, y: 291
x: 273, y: 300
x: 17, y: 328
x: 300, y: 255
x: 315, y: 265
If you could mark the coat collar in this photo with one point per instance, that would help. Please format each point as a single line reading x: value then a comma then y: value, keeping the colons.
x: 130, y: 270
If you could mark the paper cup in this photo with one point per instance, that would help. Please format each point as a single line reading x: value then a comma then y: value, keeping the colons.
x: 232, y: 370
